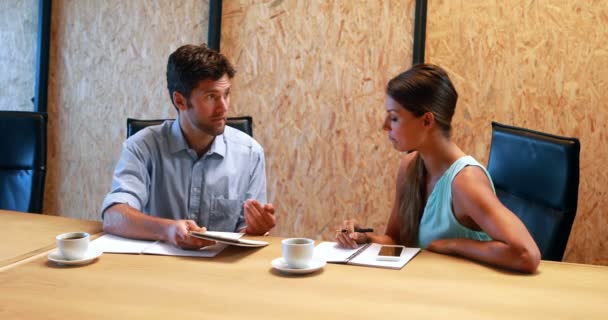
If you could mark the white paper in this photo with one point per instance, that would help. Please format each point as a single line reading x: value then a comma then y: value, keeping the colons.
x: 228, y: 238
x: 368, y: 257
x: 114, y: 244
x: 166, y: 249
x: 230, y: 235
x: 332, y: 252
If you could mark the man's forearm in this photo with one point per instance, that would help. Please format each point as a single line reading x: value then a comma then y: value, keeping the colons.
x: 125, y: 221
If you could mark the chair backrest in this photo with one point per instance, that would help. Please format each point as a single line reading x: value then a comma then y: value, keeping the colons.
x: 22, y: 160
x: 536, y: 176
x: 244, y: 123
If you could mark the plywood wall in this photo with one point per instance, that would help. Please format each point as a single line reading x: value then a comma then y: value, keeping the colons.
x: 312, y: 74
x: 18, y: 29
x: 537, y: 64
x: 108, y: 62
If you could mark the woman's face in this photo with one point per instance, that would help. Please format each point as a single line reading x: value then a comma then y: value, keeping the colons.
x: 405, y: 130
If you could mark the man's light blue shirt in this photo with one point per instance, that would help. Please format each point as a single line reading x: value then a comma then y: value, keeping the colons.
x: 161, y: 176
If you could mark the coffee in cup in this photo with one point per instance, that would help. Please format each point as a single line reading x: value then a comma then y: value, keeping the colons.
x: 298, y: 252
x: 73, y: 245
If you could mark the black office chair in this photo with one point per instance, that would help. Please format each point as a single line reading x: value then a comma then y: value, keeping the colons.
x: 536, y: 176
x: 22, y: 160
x: 244, y: 123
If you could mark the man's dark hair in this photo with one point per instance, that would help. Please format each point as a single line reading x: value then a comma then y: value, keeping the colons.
x: 190, y: 64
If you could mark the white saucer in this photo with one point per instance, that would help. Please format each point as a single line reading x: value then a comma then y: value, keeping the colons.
x: 281, y: 265
x: 92, y: 254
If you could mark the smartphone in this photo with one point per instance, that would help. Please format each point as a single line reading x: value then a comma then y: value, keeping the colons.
x: 389, y: 253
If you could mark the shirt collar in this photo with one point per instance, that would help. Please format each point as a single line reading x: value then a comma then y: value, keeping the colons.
x: 178, y: 141
x: 218, y: 146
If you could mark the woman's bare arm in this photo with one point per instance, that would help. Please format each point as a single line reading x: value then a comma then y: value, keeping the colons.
x: 512, y: 246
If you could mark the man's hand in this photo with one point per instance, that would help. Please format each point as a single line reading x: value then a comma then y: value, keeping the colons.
x: 259, y: 218
x: 178, y: 235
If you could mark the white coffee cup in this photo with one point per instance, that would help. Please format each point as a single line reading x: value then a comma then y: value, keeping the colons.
x: 298, y: 252
x: 73, y: 245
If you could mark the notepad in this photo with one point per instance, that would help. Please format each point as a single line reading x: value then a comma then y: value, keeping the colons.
x: 364, y: 255
x: 226, y: 238
x: 110, y: 243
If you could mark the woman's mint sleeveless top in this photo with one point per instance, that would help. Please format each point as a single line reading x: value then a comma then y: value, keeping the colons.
x: 438, y: 220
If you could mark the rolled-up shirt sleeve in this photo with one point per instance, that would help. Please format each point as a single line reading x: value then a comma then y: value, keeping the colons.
x: 257, y: 182
x: 131, y: 180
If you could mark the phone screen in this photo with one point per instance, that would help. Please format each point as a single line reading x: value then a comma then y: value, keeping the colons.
x: 390, y: 251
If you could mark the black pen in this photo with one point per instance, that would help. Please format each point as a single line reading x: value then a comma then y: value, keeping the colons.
x: 362, y: 230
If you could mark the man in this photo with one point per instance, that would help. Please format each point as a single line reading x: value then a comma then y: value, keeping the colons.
x: 194, y: 173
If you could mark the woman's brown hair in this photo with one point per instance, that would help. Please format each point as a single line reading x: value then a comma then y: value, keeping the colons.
x: 421, y: 89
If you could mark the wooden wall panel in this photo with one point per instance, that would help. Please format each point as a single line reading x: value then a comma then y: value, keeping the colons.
x: 108, y: 62
x: 313, y: 75
x: 537, y: 64
x: 18, y: 29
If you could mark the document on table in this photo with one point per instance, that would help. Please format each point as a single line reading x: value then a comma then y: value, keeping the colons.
x: 220, y: 238
x: 110, y: 243
x: 364, y: 255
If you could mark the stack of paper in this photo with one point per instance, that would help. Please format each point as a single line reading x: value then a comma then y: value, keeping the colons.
x: 114, y: 244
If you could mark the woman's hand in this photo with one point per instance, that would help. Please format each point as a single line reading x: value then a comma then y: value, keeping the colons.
x: 347, y: 237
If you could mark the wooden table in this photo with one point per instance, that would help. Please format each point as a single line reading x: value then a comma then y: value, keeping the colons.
x: 240, y: 284
x: 25, y: 234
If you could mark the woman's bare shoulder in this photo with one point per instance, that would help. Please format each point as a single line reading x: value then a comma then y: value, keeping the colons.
x: 471, y: 177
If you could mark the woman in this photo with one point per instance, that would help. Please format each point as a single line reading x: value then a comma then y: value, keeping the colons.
x: 445, y: 200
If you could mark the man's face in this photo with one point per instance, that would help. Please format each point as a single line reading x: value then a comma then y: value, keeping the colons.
x: 207, y: 106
